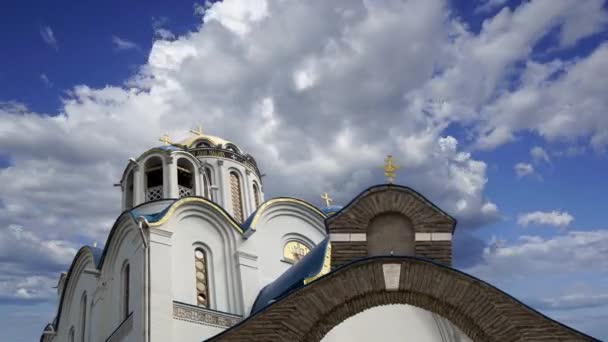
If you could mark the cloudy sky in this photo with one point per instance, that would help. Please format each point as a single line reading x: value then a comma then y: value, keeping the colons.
x: 495, y: 109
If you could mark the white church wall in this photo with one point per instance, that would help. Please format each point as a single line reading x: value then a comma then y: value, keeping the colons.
x: 108, y: 314
x: 82, y: 281
x: 104, y: 291
x: 398, y: 322
x: 278, y: 223
x: 198, y: 225
x: 193, y: 332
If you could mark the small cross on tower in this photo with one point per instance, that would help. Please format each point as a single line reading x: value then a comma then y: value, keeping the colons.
x: 198, y: 130
x: 389, y: 169
x: 327, y: 199
x: 165, y: 139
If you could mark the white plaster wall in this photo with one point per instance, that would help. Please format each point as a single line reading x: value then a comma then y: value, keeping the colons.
x: 195, y: 226
x: 193, y: 332
x: 104, y: 294
x: 247, y: 177
x: 404, y: 323
x: 278, y: 224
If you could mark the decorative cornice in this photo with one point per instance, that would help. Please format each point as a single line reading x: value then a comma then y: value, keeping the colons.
x: 200, y: 315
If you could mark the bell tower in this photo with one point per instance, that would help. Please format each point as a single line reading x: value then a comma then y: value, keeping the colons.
x: 201, y: 165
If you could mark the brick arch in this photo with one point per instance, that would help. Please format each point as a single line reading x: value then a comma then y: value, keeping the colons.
x: 480, y: 310
x: 425, y: 216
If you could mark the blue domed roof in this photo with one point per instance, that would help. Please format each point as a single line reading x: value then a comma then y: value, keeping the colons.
x: 294, y: 278
x: 332, y: 209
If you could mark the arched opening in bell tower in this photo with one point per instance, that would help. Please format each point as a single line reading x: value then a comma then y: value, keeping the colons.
x: 154, y: 178
x: 186, y: 181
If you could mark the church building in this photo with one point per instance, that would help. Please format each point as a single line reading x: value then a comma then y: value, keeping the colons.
x: 198, y: 253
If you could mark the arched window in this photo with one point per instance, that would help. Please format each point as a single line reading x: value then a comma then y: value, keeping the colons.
x: 202, y: 143
x: 71, y: 334
x: 207, y: 183
x: 185, y: 177
x: 256, y: 194
x: 293, y: 251
x: 237, y: 198
x: 154, y: 179
x: 83, y: 317
x: 202, y: 285
x: 126, y: 289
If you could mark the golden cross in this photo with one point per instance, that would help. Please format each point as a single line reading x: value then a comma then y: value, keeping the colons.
x: 165, y: 139
x: 198, y: 131
x: 389, y: 169
x: 327, y: 199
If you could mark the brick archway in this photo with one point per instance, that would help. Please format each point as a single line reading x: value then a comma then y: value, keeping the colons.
x: 480, y: 310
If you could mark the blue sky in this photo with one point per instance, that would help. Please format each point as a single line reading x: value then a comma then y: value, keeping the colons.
x: 495, y: 109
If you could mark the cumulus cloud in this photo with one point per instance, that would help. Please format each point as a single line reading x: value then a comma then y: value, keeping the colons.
x: 29, y: 264
x: 523, y: 169
x: 552, y: 218
x: 49, y: 37
x: 124, y: 44
x: 573, y: 252
x: 539, y: 155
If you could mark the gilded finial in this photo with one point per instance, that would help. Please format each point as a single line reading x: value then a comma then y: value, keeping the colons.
x: 198, y: 130
x: 389, y: 169
x: 95, y: 244
x: 327, y: 199
x: 165, y: 139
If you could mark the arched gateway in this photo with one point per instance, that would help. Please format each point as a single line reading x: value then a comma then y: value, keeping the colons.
x: 361, y: 279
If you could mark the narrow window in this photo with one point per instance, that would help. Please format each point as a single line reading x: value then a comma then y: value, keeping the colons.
x: 209, y: 184
x: 237, y: 202
x: 202, y: 285
x: 71, y: 335
x: 83, y: 318
x: 256, y: 195
x: 126, y: 283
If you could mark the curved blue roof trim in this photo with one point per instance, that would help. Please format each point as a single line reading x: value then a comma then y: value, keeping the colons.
x: 292, y: 279
x: 169, y: 148
x: 332, y: 209
x: 151, y: 217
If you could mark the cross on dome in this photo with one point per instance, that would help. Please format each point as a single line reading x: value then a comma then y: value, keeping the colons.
x: 198, y: 130
x: 165, y: 139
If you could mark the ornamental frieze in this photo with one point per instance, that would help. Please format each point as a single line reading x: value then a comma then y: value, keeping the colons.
x: 203, y: 316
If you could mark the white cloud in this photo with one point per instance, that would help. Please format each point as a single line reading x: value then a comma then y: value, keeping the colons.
x: 49, y: 37
x: 539, y: 155
x: 551, y: 218
x: 236, y: 15
x: 576, y: 251
x: 123, y: 44
x: 523, y: 169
